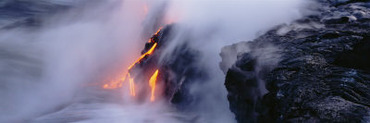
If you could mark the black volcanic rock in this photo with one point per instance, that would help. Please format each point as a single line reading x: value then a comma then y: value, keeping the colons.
x: 319, y: 73
x: 178, y: 68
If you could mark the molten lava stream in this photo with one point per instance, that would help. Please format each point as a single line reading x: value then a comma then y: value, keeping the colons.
x: 132, y: 85
x: 152, y: 81
x: 152, y: 84
x: 150, y: 51
x: 118, y: 84
x: 156, y: 33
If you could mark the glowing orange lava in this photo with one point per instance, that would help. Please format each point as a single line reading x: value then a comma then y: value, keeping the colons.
x: 118, y: 83
x: 152, y: 84
x: 150, y: 51
x: 115, y: 83
x: 132, y: 85
x: 156, y: 33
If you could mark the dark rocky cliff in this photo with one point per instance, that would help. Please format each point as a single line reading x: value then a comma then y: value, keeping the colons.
x: 316, y: 69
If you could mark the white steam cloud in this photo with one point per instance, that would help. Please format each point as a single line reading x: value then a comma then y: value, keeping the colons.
x: 46, y: 68
x: 209, y: 25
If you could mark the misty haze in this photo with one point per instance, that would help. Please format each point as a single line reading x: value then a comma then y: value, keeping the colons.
x: 184, y: 61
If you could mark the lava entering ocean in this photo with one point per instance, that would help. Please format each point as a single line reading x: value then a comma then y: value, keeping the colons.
x: 152, y: 82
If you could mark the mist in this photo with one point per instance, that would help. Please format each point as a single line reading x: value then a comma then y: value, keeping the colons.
x: 46, y: 68
x: 207, y: 26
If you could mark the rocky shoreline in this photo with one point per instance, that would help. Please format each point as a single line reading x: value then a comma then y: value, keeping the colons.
x: 316, y: 69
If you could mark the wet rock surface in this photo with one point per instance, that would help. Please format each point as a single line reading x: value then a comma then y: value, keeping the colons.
x: 315, y: 69
x: 178, y: 69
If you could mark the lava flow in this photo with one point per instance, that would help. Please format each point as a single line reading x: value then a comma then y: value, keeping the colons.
x: 152, y: 81
x: 143, y: 56
x: 132, y: 85
x: 156, y: 33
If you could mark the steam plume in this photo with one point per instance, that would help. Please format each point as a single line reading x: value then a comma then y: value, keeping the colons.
x: 45, y: 68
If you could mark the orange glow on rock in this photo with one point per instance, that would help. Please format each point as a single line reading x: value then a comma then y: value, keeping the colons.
x: 150, y: 51
x: 115, y: 83
x: 156, y: 33
x: 132, y: 85
x: 118, y: 84
x: 152, y: 84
